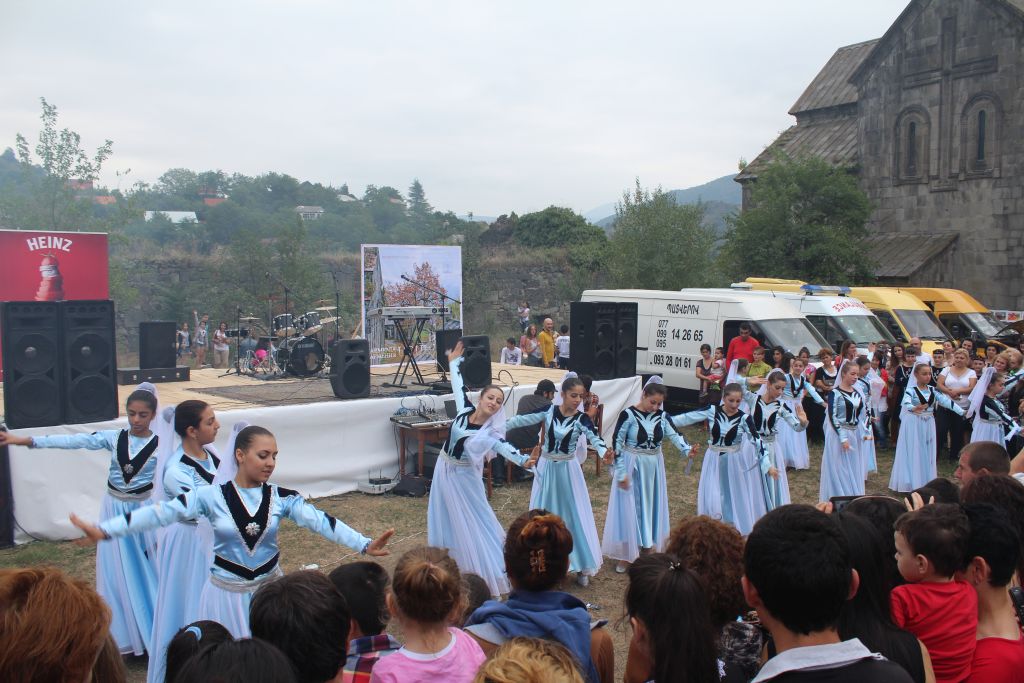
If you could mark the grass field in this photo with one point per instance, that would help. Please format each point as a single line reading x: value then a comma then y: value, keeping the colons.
x: 374, y: 514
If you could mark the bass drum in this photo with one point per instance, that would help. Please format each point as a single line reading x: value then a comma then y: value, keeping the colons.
x: 301, y: 356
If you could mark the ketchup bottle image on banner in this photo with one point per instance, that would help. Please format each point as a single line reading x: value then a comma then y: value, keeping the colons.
x: 51, y: 282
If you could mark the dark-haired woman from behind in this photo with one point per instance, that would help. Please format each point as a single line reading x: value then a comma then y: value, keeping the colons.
x: 245, y: 512
x: 189, y: 642
x: 866, y: 615
x: 250, y: 660
x: 125, y: 571
x: 537, y: 549
x: 671, y: 620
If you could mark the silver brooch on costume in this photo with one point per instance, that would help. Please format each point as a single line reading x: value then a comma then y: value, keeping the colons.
x: 128, y: 469
x: 252, y: 528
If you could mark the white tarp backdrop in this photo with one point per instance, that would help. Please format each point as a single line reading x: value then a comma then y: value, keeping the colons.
x: 325, y: 448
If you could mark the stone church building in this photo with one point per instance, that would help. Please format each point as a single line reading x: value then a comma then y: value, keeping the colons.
x: 930, y: 117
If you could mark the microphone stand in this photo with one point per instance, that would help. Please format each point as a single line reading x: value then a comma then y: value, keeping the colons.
x: 238, y: 329
x: 444, y: 375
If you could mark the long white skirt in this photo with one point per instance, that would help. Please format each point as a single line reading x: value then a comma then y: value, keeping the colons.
x: 867, y: 449
x: 185, y: 557
x: 228, y: 608
x: 780, y: 486
x: 988, y: 431
x: 638, y: 517
x: 460, y: 518
x: 914, y: 464
x: 743, y: 501
x: 709, y: 488
x: 842, y: 471
x: 126, y: 580
x: 791, y: 443
x: 559, y: 487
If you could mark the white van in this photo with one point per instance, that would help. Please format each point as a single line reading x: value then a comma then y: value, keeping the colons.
x: 671, y: 327
x: 836, y: 316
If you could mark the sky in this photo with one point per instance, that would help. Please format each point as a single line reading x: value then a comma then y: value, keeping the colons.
x: 495, y: 107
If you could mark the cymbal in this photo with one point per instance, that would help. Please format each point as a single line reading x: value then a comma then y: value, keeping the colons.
x: 325, y: 308
x: 248, y: 318
x: 322, y: 302
x: 327, y: 321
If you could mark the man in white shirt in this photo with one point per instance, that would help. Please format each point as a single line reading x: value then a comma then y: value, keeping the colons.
x: 511, y: 354
x: 562, y: 347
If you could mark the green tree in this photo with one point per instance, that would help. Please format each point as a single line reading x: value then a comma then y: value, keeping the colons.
x: 555, y: 226
x: 807, y: 221
x: 659, y: 244
x: 52, y: 204
x: 179, y: 182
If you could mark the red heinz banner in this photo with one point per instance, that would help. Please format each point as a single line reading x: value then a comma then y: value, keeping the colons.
x: 53, y: 266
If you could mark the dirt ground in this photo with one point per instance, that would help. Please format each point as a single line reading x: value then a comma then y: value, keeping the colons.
x: 373, y: 514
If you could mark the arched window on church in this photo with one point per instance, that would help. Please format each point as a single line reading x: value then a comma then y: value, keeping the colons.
x: 979, y: 125
x: 912, y: 135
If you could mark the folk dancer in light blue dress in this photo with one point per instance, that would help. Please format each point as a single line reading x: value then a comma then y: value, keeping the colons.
x: 914, y: 464
x: 459, y: 516
x: 793, y: 444
x: 638, y: 517
x: 724, y: 492
x: 842, y: 465
x: 992, y: 422
x: 765, y: 409
x: 185, y: 549
x: 245, y: 513
x: 863, y: 387
x: 125, y: 569
x: 558, y: 485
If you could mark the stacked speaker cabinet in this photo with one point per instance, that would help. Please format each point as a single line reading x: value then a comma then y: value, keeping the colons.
x: 476, y: 363
x: 156, y: 345
x: 32, y: 369
x: 602, y: 338
x: 89, y: 361
x: 445, y: 342
x: 350, y: 368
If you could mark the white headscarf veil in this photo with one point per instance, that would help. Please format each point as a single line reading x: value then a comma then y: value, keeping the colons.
x: 481, y: 444
x: 977, y: 394
x: 228, y: 465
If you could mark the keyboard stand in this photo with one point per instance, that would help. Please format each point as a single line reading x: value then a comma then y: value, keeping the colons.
x: 408, y: 357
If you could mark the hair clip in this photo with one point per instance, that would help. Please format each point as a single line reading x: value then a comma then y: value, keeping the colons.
x: 672, y: 566
x: 196, y: 631
x: 537, y: 562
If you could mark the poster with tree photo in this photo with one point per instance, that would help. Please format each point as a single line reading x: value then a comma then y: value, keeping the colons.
x: 403, y: 283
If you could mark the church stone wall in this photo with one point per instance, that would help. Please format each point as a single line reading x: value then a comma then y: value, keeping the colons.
x: 952, y: 55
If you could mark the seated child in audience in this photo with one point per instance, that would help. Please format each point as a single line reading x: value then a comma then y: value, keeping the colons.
x: 477, y: 593
x: 190, y: 641
x: 426, y: 596
x: 364, y: 586
x: 931, y: 546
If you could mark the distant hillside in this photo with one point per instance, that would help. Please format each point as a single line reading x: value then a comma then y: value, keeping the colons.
x: 720, y: 197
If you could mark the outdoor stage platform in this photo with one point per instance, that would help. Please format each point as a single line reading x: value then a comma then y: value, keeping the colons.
x: 326, y: 444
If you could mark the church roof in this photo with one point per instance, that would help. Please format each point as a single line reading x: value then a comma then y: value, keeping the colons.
x: 832, y: 87
x: 894, y: 260
x: 834, y: 140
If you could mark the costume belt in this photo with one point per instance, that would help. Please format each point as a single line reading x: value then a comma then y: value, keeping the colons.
x: 559, y: 457
x: 455, y: 462
x: 141, y: 493
x: 643, y: 451
x: 768, y: 438
x: 250, y: 579
x: 722, y: 448
x: 996, y: 421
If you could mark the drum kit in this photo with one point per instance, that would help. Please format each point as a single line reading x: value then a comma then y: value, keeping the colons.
x: 293, y: 345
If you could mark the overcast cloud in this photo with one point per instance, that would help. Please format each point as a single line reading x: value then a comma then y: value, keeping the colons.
x: 494, y: 107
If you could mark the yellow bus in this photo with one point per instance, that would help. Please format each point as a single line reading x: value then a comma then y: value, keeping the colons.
x: 902, y: 313
x: 965, y: 317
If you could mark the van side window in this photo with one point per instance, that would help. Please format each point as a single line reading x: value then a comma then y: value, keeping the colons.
x: 731, y: 328
x: 821, y: 324
x: 889, y: 321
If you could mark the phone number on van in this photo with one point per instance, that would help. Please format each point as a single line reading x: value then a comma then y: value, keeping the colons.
x: 667, y: 360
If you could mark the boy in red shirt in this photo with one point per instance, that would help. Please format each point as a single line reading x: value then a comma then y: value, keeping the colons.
x: 931, y: 544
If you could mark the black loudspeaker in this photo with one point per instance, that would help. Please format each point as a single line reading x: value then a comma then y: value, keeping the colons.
x: 32, y: 370
x: 625, y: 339
x: 350, y: 368
x: 593, y: 338
x: 6, y: 501
x: 476, y: 366
x: 156, y: 345
x: 445, y: 342
x: 89, y: 362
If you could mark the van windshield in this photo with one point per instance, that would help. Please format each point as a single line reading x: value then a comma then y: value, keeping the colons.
x: 792, y: 334
x: 863, y: 329
x: 922, y: 324
x: 986, y: 323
